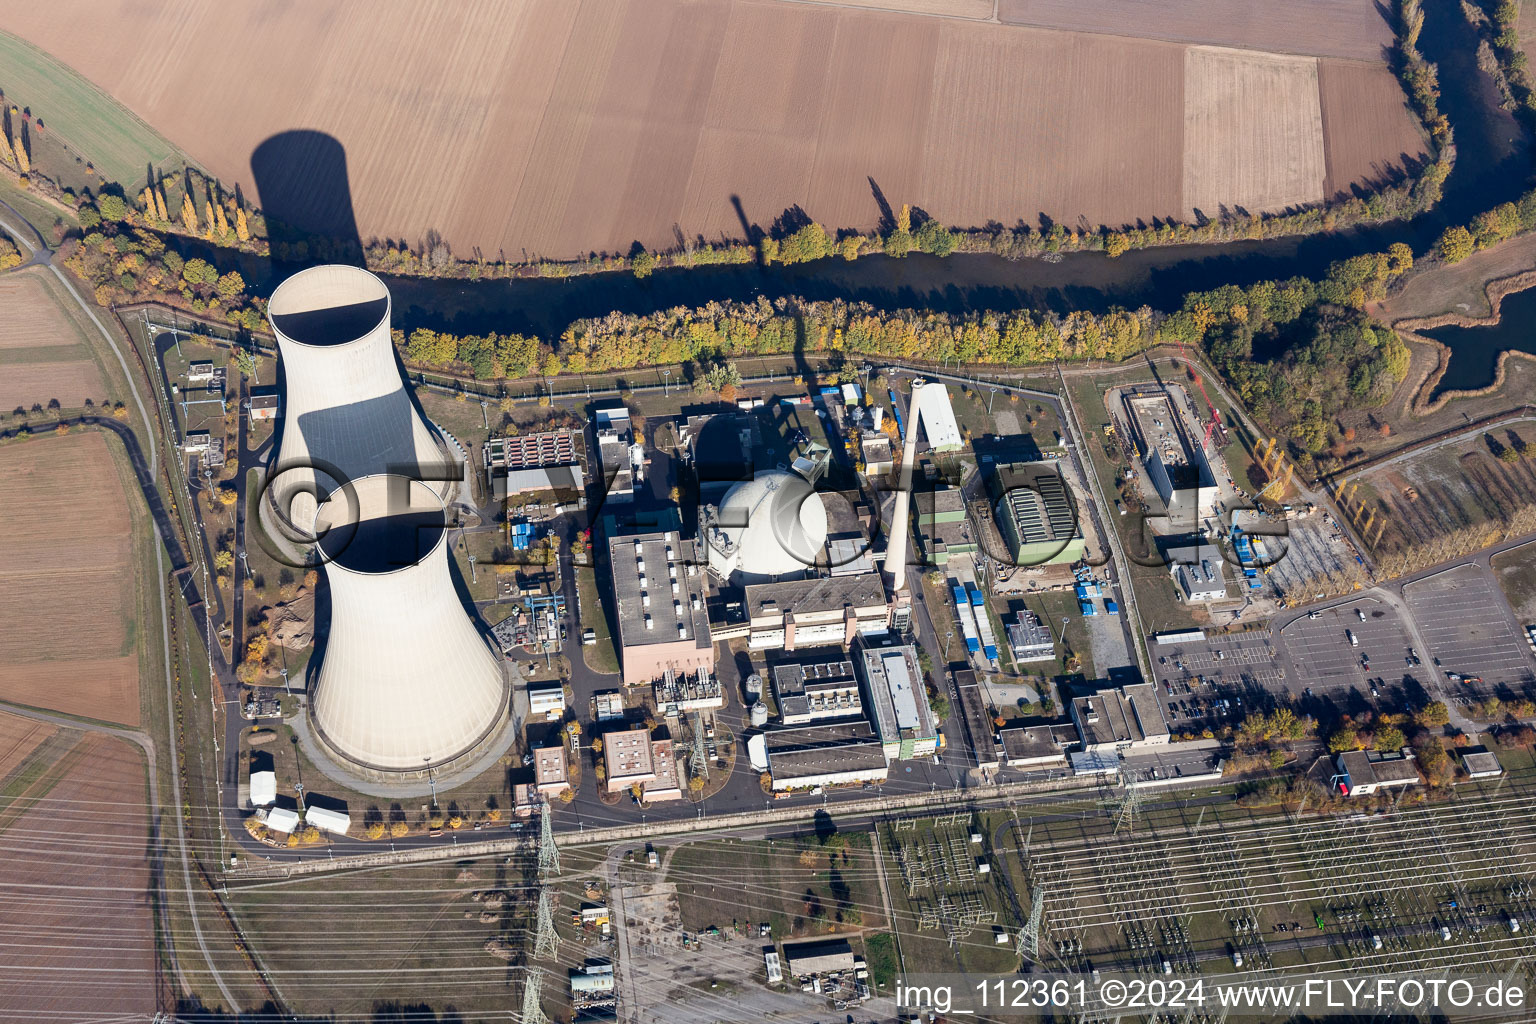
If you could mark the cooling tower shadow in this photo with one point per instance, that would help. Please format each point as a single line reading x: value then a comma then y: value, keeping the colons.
x: 305, y: 194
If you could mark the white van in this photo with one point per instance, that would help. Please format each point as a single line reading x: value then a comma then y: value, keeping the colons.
x: 1354, y: 641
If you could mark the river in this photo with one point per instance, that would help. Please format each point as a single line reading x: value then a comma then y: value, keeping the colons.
x: 1493, y: 165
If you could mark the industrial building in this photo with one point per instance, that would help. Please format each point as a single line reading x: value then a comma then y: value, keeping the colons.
x: 263, y: 788
x: 1029, y: 639
x: 1363, y: 772
x: 938, y: 422
x: 821, y: 956
x: 546, y: 700
x: 1032, y: 746
x: 535, y: 463
x: 1126, y: 718
x: 1478, y: 763
x: 264, y: 403
x: 1175, y: 462
x: 678, y: 693
x: 328, y: 820
x: 976, y: 713
x: 770, y: 527
x: 812, y: 691
x: 627, y: 758
x: 667, y: 783
x: 280, y: 819
x: 898, y: 701
x: 942, y: 526
x: 347, y: 413
x: 822, y: 755
x: 1035, y: 514
x: 659, y: 606
x: 622, y: 461
x: 879, y: 458
x: 551, y: 774
x: 406, y: 683
x: 1197, y: 570
x: 808, y: 613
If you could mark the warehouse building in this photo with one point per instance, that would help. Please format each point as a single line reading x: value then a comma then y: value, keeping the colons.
x: 659, y: 607
x: 897, y: 701
x: 628, y: 758
x: 824, y: 755
x: 1197, y: 570
x: 1032, y: 746
x: 813, y: 691
x: 976, y: 713
x: 823, y: 956
x: 1126, y: 718
x: 938, y: 422
x: 809, y: 613
x: 328, y: 820
x: 1035, y: 513
x: 263, y: 788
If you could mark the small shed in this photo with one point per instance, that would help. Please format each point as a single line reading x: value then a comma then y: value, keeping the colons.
x: 263, y: 789
x: 282, y: 819
x: 328, y: 820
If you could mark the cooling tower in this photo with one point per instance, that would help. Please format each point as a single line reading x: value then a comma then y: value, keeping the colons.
x: 406, y: 682
x: 347, y: 414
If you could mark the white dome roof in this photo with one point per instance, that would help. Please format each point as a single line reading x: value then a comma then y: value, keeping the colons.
x: 776, y: 522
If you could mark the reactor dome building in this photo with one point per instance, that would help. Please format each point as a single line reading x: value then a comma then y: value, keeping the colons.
x: 347, y: 411
x: 767, y: 528
x: 406, y: 682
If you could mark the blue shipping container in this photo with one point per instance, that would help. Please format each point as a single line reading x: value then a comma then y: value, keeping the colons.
x: 976, y: 598
x: 1086, y: 607
x: 1111, y: 607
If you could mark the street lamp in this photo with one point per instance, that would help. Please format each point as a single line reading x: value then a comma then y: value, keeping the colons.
x: 947, y: 638
x: 666, y: 382
x: 430, y: 780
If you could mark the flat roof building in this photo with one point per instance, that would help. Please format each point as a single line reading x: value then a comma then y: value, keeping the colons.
x: 628, y: 758
x: 265, y: 404
x: 811, y: 691
x: 824, y: 755
x: 812, y: 612
x: 1031, y: 746
x: 975, y: 712
x: 659, y: 606
x: 938, y: 418
x: 1035, y: 513
x: 551, y: 775
x: 818, y: 957
x: 879, y: 458
x: 1363, y: 772
x: 1175, y: 460
x: 546, y: 700
x: 619, y: 463
x: 897, y: 701
x: 1197, y: 571
x: 666, y: 785
x: 1479, y: 763
x: 1030, y: 639
x: 1119, y: 719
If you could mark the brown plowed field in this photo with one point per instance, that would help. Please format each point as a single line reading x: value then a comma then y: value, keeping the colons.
x: 1252, y: 127
x: 18, y: 738
x: 71, y: 382
x: 29, y: 316
x: 1320, y: 28
x: 77, y: 936
x: 67, y: 590
x: 1367, y: 123
x: 555, y: 127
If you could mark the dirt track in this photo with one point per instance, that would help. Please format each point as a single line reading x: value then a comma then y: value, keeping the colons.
x: 549, y: 127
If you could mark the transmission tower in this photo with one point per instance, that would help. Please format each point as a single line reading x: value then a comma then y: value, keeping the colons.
x: 698, y: 767
x: 533, y: 1004
x: 1029, y: 938
x: 545, y: 942
x: 549, y: 853
x: 1125, y: 817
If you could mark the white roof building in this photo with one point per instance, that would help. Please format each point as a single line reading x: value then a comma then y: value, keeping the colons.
x: 406, y: 682
x: 328, y: 820
x: 282, y: 819
x: 938, y: 419
x: 263, y: 789
x: 772, y: 525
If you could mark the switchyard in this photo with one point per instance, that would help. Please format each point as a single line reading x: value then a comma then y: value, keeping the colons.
x: 1192, y: 890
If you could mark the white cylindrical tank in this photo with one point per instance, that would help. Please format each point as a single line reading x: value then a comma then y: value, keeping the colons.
x: 406, y: 681
x: 759, y: 715
x: 347, y: 414
x: 754, y: 686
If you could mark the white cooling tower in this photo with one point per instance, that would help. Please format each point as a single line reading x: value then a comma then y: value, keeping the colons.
x: 347, y: 413
x: 406, y: 681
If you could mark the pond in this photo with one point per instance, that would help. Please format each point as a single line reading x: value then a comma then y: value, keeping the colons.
x: 1475, y: 359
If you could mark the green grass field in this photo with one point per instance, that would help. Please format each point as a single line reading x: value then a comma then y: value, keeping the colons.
x: 91, y: 123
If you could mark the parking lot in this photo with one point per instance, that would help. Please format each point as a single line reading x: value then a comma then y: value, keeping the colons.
x: 1219, y: 668
x: 1467, y: 625
x: 1320, y: 655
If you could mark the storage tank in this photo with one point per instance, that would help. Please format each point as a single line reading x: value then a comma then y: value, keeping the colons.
x: 754, y: 687
x: 759, y: 715
x: 406, y: 681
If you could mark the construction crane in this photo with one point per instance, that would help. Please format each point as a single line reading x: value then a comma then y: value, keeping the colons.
x: 1215, y: 420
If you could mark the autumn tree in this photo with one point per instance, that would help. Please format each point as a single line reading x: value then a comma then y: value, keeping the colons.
x: 375, y: 830
x: 1455, y: 244
x: 1389, y: 738
x: 398, y: 829
x: 242, y: 226
x: 188, y: 213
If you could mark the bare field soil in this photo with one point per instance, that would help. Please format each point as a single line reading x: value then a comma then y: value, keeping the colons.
x: 66, y: 580
x: 71, y: 382
x: 1369, y: 130
x: 29, y: 316
x: 967, y: 10
x: 553, y: 128
x: 1321, y: 28
x: 18, y: 738
x: 1253, y: 127
x: 87, y: 951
